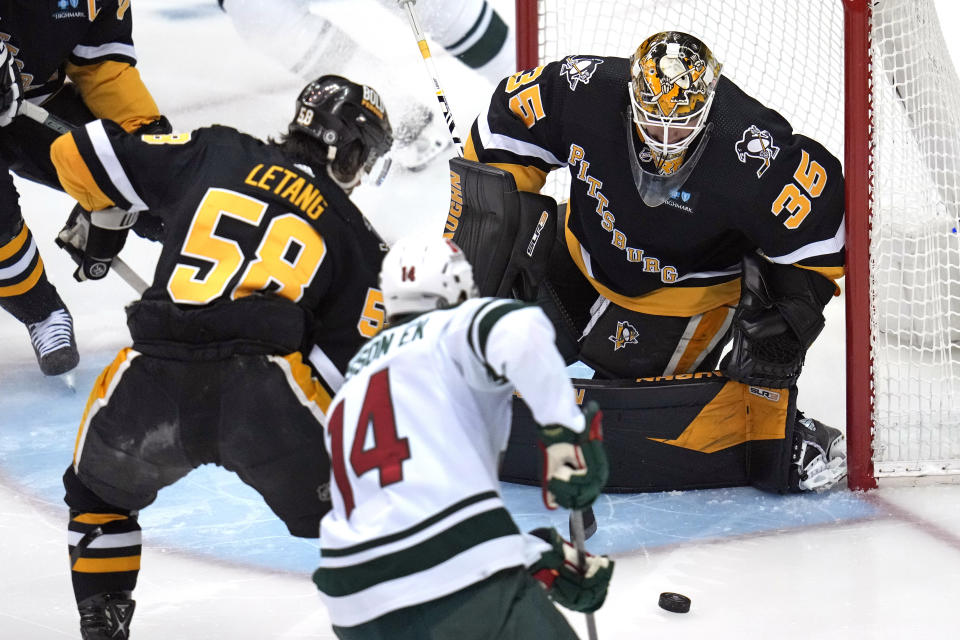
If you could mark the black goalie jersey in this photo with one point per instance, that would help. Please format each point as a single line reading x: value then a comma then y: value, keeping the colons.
x: 756, y: 186
x: 259, y: 254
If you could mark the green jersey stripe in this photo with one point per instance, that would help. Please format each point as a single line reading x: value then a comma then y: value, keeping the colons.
x: 490, y: 318
x: 400, y: 535
x: 342, y: 581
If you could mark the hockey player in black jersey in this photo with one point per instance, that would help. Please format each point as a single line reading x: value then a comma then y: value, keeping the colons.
x: 265, y: 287
x: 42, y: 44
x: 695, y: 216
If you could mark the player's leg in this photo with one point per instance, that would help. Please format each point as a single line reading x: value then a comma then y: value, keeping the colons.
x: 310, y: 44
x: 532, y: 614
x: 128, y: 448
x: 104, y: 543
x: 25, y: 291
x: 472, y: 31
x: 272, y: 438
x: 26, y: 143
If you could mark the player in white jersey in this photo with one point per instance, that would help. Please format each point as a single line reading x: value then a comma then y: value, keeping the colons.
x: 418, y: 543
x: 312, y: 43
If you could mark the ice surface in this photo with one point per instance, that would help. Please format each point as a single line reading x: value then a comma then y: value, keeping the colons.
x: 216, y: 564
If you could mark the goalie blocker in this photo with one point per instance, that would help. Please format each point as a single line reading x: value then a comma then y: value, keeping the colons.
x: 505, y: 233
x: 690, y: 431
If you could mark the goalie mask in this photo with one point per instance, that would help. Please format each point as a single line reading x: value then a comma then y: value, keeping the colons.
x: 352, y: 122
x: 424, y: 273
x: 672, y: 81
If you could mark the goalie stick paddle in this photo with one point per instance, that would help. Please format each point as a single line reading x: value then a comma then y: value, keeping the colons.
x: 432, y: 70
x: 47, y: 119
x: 579, y: 540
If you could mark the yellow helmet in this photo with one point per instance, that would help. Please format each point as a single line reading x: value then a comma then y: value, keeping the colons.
x: 672, y: 81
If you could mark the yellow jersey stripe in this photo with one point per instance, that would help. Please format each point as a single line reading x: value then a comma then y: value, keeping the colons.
x: 668, y: 301
x: 107, y: 565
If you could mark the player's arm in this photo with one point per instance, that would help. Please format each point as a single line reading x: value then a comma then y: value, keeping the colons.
x: 103, y: 166
x: 783, y: 293
x: 497, y: 215
x: 515, y: 342
x: 116, y: 176
x: 800, y: 209
x: 102, y: 66
x: 516, y: 130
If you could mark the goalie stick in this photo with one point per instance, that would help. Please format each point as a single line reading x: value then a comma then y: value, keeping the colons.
x: 47, y: 119
x: 432, y: 70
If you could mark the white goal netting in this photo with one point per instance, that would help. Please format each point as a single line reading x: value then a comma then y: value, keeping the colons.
x: 790, y: 55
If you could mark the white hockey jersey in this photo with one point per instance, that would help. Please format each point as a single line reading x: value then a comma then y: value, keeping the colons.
x: 414, y: 437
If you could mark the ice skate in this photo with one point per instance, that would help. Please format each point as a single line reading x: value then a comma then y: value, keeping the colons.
x: 106, y: 616
x: 54, y: 343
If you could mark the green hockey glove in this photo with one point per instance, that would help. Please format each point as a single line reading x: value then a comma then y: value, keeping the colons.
x: 575, y: 467
x: 570, y: 583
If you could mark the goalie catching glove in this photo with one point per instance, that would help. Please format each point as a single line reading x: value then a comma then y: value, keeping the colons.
x: 93, y: 239
x: 575, y: 467
x: 575, y: 584
x: 779, y: 315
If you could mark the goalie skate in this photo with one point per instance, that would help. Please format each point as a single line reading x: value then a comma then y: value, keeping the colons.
x: 419, y: 139
x: 819, y: 455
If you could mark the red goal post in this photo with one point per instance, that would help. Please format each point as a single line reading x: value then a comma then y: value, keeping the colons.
x: 872, y: 80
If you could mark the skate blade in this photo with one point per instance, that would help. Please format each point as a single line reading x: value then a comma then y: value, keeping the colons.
x: 69, y: 380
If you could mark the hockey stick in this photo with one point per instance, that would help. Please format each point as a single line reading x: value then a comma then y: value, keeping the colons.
x: 52, y: 122
x: 579, y: 541
x: 432, y: 70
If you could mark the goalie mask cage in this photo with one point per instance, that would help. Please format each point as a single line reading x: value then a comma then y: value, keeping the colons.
x: 872, y: 80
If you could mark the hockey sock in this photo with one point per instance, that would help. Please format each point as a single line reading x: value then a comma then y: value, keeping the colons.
x: 104, y: 553
x: 25, y: 292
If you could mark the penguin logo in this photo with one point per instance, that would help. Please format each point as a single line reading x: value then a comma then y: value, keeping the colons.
x: 757, y: 143
x: 626, y: 334
x: 577, y: 69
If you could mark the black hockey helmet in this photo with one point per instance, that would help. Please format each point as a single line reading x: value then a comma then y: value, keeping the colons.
x: 350, y: 119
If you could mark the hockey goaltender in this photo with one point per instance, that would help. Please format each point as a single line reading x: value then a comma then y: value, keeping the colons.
x: 695, y: 217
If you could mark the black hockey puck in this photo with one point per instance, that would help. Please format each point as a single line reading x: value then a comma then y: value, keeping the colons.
x: 676, y: 602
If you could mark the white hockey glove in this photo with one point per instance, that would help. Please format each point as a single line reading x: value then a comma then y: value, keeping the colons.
x: 575, y: 467
x: 576, y: 586
x: 11, y: 87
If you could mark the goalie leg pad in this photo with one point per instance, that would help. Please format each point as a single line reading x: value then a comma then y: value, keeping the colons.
x: 506, y: 234
x: 690, y: 431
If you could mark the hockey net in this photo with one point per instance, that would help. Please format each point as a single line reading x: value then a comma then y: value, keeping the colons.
x: 871, y: 80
